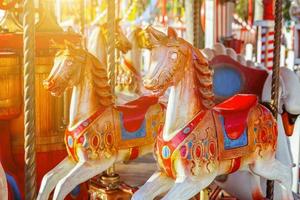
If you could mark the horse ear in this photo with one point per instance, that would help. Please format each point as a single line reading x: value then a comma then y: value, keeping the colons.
x: 172, y: 33
x: 69, y: 45
x: 55, y: 45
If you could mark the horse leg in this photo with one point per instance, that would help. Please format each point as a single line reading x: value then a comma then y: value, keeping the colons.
x: 257, y: 193
x: 275, y: 170
x: 3, y: 184
x: 52, y: 177
x: 186, y: 189
x: 83, y: 171
x: 157, y: 184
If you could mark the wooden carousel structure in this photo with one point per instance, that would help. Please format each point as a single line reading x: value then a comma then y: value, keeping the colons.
x: 26, y: 59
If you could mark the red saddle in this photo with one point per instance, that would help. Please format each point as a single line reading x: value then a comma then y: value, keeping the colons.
x: 235, y: 112
x: 134, y: 112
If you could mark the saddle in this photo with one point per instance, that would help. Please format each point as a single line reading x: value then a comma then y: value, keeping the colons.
x: 134, y: 112
x: 235, y: 112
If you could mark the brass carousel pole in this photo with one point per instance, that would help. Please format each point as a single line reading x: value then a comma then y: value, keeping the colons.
x: 29, y: 102
x: 275, y: 76
x: 111, y: 55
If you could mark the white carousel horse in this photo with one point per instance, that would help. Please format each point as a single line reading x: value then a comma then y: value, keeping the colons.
x: 288, y: 98
x: 198, y: 141
x: 3, y: 184
x: 99, y: 133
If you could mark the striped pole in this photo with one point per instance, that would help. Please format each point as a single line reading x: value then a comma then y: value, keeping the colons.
x: 267, y: 46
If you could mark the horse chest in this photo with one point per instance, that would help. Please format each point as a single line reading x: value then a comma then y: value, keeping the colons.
x: 195, y: 144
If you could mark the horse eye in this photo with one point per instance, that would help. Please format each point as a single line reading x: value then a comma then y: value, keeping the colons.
x: 174, y: 56
x: 69, y: 63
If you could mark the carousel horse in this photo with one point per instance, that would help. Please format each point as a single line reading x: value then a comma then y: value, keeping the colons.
x: 99, y: 133
x: 3, y: 184
x: 128, y: 79
x: 97, y: 42
x: 200, y: 140
x: 288, y: 97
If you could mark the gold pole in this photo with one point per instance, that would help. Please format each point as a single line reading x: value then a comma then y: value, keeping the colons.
x: 111, y: 43
x: 111, y: 54
x: 29, y: 99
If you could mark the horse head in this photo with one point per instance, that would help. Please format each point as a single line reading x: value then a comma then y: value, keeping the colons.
x: 66, y: 71
x: 169, y: 57
x: 122, y: 43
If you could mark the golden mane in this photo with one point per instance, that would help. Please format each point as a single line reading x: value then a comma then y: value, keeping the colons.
x: 203, y: 78
x: 100, y: 81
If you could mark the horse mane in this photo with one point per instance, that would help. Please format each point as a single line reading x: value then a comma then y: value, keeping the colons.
x: 100, y: 81
x: 203, y: 78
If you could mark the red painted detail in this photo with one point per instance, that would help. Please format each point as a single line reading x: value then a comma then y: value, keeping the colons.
x: 235, y: 165
x: 263, y: 135
x: 235, y: 112
x: 268, y: 51
x: 183, y: 151
x: 76, y: 133
x: 134, y: 153
x: 109, y: 139
x: 175, y: 142
x: 198, y: 151
x: 212, y: 148
x: 134, y: 112
x: 268, y: 34
x: 81, y: 139
x: 95, y: 141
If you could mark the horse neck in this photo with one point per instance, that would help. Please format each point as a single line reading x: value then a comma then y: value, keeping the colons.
x: 134, y: 55
x: 183, y: 104
x: 84, y: 101
x: 98, y: 45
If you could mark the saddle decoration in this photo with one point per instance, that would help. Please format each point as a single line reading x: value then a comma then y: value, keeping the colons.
x: 235, y: 113
x: 134, y: 112
x: 167, y: 148
x: 75, y: 136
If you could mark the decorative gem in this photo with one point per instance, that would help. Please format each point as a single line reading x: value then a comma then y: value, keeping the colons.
x: 183, y: 151
x: 70, y: 141
x: 186, y: 130
x: 95, y: 141
x: 166, y: 152
x: 109, y: 139
x: 85, y: 123
x: 198, y: 151
x: 212, y: 148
